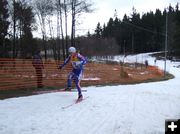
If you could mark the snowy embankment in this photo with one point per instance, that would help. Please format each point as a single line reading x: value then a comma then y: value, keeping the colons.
x: 124, y: 109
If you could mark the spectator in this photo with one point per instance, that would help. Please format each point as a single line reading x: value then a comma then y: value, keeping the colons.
x: 38, y: 65
x: 146, y: 63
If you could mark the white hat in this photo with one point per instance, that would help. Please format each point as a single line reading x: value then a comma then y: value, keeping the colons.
x: 72, y: 50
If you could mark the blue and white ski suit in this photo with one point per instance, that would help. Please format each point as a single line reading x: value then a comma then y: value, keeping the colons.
x: 77, y: 61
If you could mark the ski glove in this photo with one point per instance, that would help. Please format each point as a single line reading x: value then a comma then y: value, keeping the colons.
x: 61, y: 66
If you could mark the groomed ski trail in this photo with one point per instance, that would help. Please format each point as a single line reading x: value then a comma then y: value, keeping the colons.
x: 74, y: 103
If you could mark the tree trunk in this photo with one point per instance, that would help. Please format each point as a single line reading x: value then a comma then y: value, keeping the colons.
x: 14, y: 31
x: 62, y: 34
x: 44, y: 39
x: 73, y: 23
x: 66, y: 42
x: 58, y: 36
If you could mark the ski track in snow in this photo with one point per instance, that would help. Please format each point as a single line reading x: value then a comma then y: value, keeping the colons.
x: 124, y: 109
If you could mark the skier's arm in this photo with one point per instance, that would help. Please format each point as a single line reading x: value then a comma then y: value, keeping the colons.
x: 82, y: 58
x: 65, y: 62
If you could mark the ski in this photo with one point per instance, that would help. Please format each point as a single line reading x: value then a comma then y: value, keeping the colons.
x: 73, y: 90
x: 75, y: 102
x: 58, y: 90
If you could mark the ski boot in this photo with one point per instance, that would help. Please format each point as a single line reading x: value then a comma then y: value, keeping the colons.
x: 68, y: 89
x: 80, y: 97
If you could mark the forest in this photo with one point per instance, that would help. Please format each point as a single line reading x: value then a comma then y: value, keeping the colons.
x: 135, y: 33
x: 146, y: 33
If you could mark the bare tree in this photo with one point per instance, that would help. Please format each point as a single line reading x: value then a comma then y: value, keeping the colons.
x: 58, y: 33
x: 61, y: 26
x: 14, y: 29
x: 50, y: 28
x: 78, y: 7
x: 43, y: 9
x: 66, y: 39
x: 63, y: 9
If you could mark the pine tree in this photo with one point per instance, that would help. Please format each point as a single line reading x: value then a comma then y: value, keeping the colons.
x: 3, y: 26
x: 98, y: 31
x: 176, y: 43
x: 24, y: 19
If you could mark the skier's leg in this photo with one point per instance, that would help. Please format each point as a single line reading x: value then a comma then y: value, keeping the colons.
x: 77, y: 82
x: 39, y: 77
x: 69, y: 81
x: 78, y: 86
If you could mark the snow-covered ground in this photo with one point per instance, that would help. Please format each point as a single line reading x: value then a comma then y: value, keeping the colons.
x: 124, y: 109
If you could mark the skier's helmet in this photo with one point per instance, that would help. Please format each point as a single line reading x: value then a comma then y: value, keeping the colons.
x: 72, y: 50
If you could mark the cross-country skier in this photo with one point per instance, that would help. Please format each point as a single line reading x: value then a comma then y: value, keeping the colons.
x: 77, y: 61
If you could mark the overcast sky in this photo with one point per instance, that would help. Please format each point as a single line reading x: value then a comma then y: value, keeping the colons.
x: 104, y: 9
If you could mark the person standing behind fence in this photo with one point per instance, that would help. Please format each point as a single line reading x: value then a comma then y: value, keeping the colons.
x: 38, y: 65
x: 146, y: 63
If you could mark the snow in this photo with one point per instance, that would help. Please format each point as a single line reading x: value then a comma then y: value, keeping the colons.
x: 88, y: 79
x: 123, y: 109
